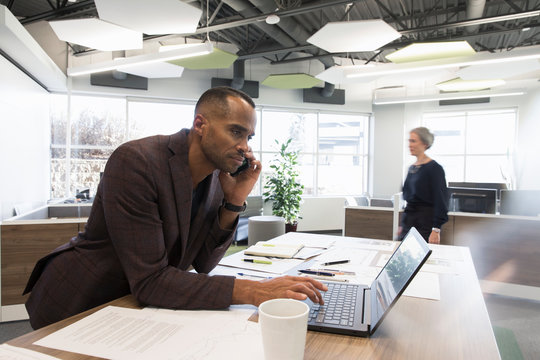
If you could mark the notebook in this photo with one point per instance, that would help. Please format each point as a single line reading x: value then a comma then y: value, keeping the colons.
x: 358, y: 310
x: 262, y: 248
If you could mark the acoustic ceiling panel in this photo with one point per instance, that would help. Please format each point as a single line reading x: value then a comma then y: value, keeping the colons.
x: 97, y: 34
x: 151, y: 17
x: 350, y: 36
x: 291, y: 81
x: 217, y: 59
x: 430, y: 51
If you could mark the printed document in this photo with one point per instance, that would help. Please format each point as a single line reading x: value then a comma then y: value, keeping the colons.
x: 8, y: 352
x: 121, y: 333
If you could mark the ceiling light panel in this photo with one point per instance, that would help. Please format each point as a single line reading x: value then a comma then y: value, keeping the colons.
x: 338, y: 74
x: 483, y: 59
x: 97, y: 34
x: 450, y: 96
x: 151, y: 17
x: 350, y: 36
x: 469, y: 85
x: 120, y: 63
x: 501, y: 70
x: 155, y: 70
x: 431, y: 51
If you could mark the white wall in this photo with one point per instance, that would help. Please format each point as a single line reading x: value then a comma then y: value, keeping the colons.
x: 527, y: 164
x: 24, y: 141
x: 387, y: 150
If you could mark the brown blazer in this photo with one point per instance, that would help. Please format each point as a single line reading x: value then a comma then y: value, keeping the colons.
x: 139, y: 239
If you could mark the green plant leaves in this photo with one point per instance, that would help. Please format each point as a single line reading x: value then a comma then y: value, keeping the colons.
x: 282, y: 187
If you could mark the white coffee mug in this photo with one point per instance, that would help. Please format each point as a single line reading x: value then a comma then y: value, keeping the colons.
x: 283, y: 327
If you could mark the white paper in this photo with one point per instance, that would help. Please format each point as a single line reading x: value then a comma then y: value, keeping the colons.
x: 308, y: 252
x: 425, y: 285
x: 277, y: 266
x: 121, y: 333
x: 357, y: 258
x: 8, y: 352
x: 308, y: 240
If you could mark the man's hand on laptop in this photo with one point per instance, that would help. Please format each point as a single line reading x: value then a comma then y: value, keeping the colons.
x: 292, y: 287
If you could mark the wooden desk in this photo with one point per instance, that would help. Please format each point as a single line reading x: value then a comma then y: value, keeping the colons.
x: 504, y: 247
x: 456, y: 327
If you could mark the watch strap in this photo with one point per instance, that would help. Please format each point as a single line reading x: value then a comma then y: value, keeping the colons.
x: 234, y: 208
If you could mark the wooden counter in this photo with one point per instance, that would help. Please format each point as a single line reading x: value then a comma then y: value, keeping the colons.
x: 22, y: 244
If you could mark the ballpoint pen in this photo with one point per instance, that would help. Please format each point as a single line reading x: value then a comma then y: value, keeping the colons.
x: 316, y: 272
x: 255, y: 276
x: 335, y: 262
x: 257, y: 261
x: 339, y: 272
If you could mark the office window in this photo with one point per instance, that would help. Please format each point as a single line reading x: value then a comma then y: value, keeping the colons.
x: 151, y: 118
x: 333, y: 147
x: 81, y: 146
x: 342, y: 154
x: 474, y: 146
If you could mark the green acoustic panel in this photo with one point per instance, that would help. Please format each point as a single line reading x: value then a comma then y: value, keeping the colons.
x: 218, y: 59
x: 291, y: 81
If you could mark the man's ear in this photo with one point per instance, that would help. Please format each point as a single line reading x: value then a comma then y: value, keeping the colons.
x: 199, y: 123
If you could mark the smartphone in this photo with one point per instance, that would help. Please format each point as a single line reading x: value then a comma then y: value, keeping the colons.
x: 242, y: 167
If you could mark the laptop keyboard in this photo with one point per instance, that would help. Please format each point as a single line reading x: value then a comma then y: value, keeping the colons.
x: 339, y: 305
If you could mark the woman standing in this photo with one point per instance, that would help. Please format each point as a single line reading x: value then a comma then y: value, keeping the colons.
x: 424, y: 191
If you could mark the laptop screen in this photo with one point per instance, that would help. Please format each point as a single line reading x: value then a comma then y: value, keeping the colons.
x: 397, y: 274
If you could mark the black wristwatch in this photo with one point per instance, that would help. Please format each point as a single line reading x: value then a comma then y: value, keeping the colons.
x: 232, y: 207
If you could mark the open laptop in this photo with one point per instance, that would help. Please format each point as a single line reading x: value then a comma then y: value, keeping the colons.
x: 358, y: 310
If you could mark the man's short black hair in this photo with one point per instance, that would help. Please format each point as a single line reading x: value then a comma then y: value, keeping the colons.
x: 218, y: 96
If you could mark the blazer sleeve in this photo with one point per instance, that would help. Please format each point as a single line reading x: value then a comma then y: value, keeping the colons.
x: 130, y: 202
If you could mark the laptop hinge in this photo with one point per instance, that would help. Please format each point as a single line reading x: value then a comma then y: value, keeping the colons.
x: 367, y: 307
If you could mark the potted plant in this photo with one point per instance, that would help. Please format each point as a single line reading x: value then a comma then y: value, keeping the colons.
x: 282, y: 186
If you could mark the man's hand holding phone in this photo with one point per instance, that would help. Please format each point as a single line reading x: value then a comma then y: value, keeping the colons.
x: 237, y: 185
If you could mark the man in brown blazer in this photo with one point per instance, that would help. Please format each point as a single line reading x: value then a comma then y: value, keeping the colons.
x: 165, y: 203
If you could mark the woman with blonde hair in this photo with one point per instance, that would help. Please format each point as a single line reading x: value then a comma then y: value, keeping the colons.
x: 424, y: 190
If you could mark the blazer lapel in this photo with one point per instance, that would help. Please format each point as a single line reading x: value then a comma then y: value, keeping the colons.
x: 182, y: 183
x: 207, y: 203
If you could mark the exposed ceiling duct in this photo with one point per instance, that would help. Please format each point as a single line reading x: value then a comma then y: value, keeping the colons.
x: 238, y: 74
x: 475, y: 10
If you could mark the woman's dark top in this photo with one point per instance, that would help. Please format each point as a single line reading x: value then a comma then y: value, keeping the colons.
x: 425, y: 186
